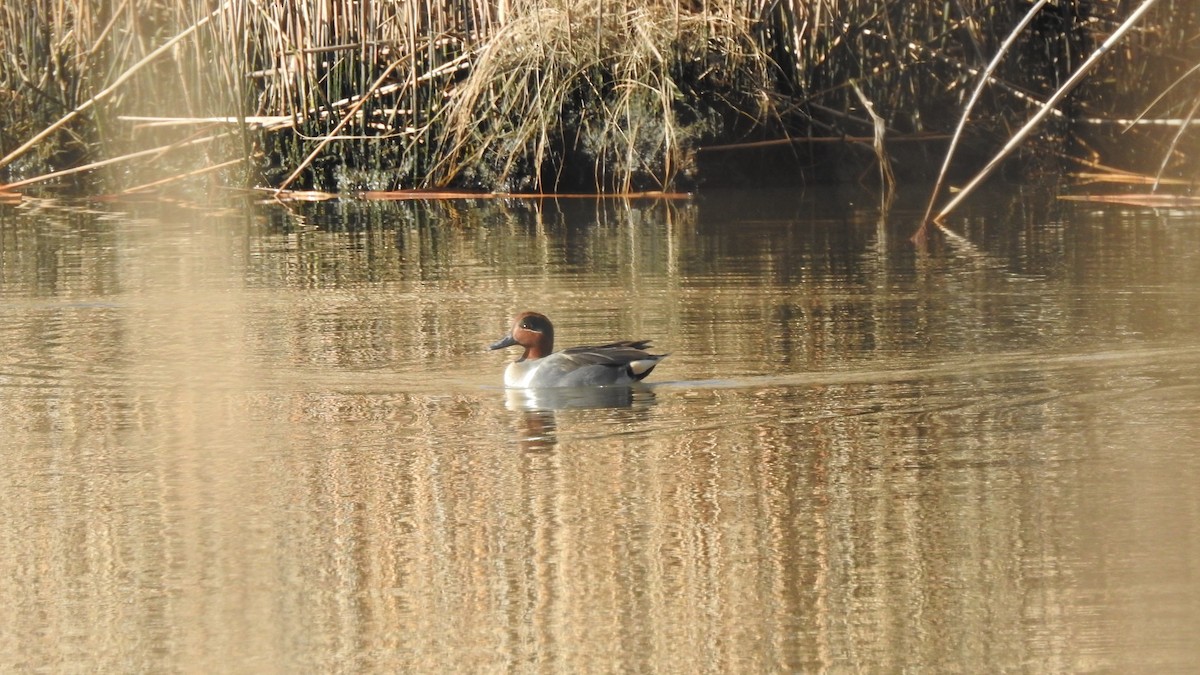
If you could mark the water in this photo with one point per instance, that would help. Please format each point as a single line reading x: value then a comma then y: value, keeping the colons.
x: 270, y: 439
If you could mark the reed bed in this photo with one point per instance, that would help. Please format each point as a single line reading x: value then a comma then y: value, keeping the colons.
x: 554, y: 95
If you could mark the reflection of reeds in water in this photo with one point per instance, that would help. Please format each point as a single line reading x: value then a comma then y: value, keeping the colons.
x: 523, y: 95
x: 212, y: 474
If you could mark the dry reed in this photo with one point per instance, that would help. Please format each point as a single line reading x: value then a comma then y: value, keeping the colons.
x: 526, y: 95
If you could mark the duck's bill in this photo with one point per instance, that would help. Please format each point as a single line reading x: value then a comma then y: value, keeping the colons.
x: 506, y: 341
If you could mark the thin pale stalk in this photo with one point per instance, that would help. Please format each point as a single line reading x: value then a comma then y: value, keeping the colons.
x: 1065, y: 89
x: 189, y: 174
x: 886, y: 178
x: 1190, y: 71
x: 1174, y: 142
x: 979, y: 87
x: 350, y: 115
x: 105, y: 162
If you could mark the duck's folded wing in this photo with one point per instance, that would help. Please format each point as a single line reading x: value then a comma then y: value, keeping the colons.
x: 612, y: 354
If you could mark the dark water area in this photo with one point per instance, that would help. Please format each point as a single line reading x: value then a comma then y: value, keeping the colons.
x: 268, y: 438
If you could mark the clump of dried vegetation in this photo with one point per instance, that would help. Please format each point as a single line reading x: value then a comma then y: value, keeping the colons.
x: 595, y: 94
x: 552, y: 95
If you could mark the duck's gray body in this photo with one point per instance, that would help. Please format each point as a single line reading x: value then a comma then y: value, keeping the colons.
x: 618, y: 363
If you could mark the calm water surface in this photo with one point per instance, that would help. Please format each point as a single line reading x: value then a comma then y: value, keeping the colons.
x: 270, y: 439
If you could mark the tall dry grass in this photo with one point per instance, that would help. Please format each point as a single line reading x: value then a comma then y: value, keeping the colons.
x: 601, y: 94
x: 551, y: 94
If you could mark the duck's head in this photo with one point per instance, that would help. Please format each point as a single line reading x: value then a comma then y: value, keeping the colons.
x: 532, y: 331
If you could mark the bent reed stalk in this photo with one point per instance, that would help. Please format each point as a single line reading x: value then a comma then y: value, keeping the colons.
x: 549, y: 95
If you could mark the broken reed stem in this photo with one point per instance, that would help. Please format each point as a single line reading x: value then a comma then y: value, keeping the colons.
x: 189, y: 174
x: 886, y: 179
x: 330, y: 137
x: 114, y: 160
x: 1041, y: 114
x: 10, y: 157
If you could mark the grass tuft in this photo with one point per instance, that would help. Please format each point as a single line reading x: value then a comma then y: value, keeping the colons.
x: 584, y: 95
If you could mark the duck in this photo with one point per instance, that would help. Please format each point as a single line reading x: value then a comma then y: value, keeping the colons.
x: 616, y: 363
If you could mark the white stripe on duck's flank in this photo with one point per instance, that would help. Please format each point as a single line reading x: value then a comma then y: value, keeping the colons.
x: 642, y: 367
x: 616, y: 363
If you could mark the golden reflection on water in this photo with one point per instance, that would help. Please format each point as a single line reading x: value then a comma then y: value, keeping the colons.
x: 260, y: 442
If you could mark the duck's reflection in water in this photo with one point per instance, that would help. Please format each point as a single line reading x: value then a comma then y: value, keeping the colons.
x: 539, y: 423
x: 573, y: 398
